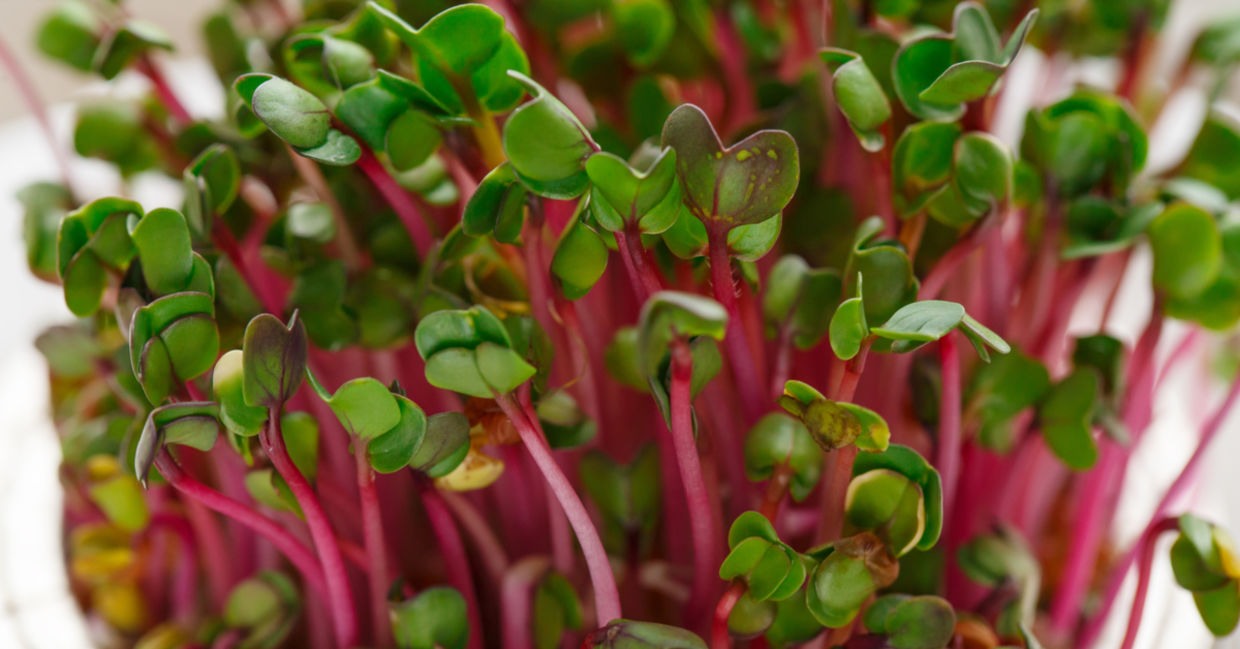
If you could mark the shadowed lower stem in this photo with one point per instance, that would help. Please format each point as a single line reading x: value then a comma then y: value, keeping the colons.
x: 296, y: 552
x: 340, y: 598
x: 606, y: 596
x: 690, y: 464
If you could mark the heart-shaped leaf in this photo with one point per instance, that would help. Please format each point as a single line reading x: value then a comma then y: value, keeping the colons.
x: 744, y: 184
x: 622, y: 196
x: 777, y: 439
x: 274, y: 360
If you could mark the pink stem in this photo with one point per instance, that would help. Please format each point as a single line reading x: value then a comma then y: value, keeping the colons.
x: 642, y: 279
x: 376, y: 551
x: 166, y: 95
x: 1148, y: 546
x: 1209, y: 431
x: 739, y: 357
x: 216, y: 564
x: 1091, y: 518
x: 486, y: 544
x: 516, y: 597
x: 38, y: 109
x: 455, y: 561
x: 294, y: 550
x: 399, y: 199
x: 949, y: 421
x: 696, y: 495
x: 606, y: 596
x: 340, y: 598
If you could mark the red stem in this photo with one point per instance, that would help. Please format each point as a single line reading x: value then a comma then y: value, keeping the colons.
x: 641, y: 276
x: 606, y: 596
x: 690, y: 464
x: 376, y: 550
x: 1148, y: 546
x: 399, y: 200
x: 34, y: 103
x: 949, y: 420
x: 486, y: 544
x: 516, y: 599
x: 340, y: 598
x: 455, y: 561
x: 748, y: 382
x: 297, y: 553
x: 164, y: 91
x: 719, y: 636
x: 215, y: 559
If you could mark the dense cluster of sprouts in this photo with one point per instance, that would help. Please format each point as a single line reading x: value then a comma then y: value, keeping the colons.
x: 629, y: 324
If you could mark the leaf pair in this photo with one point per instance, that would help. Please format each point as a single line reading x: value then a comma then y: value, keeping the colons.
x: 920, y: 622
x: 956, y: 178
x: 1204, y: 562
x: 800, y: 299
x: 848, y: 573
x: 469, y: 351
x: 778, y: 439
x: 881, y: 497
x: 936, y: 74
x: 396, y: 116
x: 193, y: 423
x: 173, y: 340
x: 463, y: 55
x: 671, y: 315
x: 772, y: 569
x: 296, y: 116
x: 76, y: 35
x: 928, y: 320
x: 1084, y: 140
x: 834, y: 424
x: 736, y: 194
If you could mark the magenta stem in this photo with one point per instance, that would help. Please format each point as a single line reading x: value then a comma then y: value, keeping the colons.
x: 606, y: 596
x: 340, y: 598
x: 697, y: 497
x: 641, y: 277
x: 286, y: 543
x: 399, y: 200
x: 376, y: 550
x: 1210, y: 430
x: 214, y: 555
x: 34, y: 103
x: 486, y: 544
x: 516, y: 599
x: 949, y: 420
x: 1148, y: 545
x: 164, y: 91
x: 739, y: 357
x: 455, y: 561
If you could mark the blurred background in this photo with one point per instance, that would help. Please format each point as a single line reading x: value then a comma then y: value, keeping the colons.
x: 36, y: 610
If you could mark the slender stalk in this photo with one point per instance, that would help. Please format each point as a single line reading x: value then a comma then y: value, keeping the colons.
x: 163, y: 90
x: 516, y: 599
x: 701, y: 527
x: 606, y: 596
x: 455, y: 561
x: 376, y: 549
x: 949, y: 441
x: 399, y: 200
x: 641, y: 276
x: 216, y: 565
x: 748, y: 382
x: 1148, y: 545
x: 486, y: 544
x: 1209, y: 431
x: 38, y: 109
x: 719, y: 636
x: 296, y: 552
x: 340, y: 598
x: 263, y: 288
x: 346, y: 245
x: 835, y: 487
